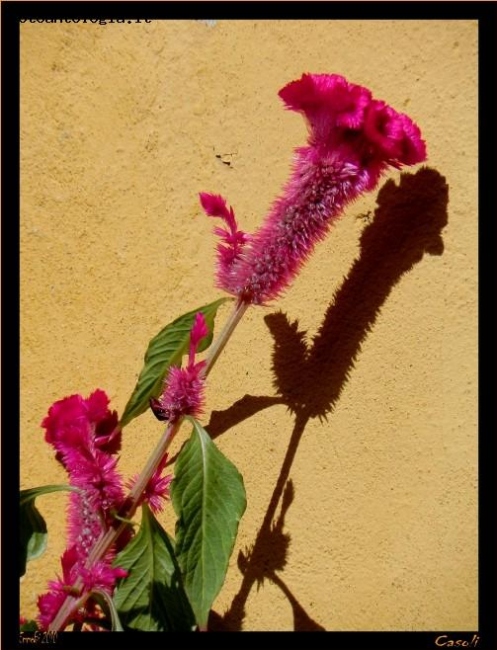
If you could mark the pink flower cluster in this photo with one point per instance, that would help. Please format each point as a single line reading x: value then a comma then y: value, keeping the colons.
x: 86, y: 437
x: 353, y: 139
x: 347, y: 122
x: 156, y: 490
x: 101, y: 576
x: 183, y: 392
x: 233, y: 240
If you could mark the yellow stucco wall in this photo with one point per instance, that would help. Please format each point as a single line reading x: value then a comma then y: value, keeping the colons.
x: 121, y: 128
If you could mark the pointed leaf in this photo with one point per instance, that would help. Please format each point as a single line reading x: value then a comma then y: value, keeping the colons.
x: 33, y: 528
x: 152, y: 597
x: 164, y: 350
x: 209, y: 498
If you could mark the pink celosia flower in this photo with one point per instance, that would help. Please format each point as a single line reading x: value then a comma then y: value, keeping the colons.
x: 74, y: 422
x: 101, y: 576
x: 50, y: 603
x: 85, y: 435
x: 353, y: 139
x: 73, y: 426
x: 183, y: 392
x: 234, y: 240
x: 157, y: 489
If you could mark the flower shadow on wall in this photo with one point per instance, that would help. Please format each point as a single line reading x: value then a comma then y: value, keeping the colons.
x: 407, y: 224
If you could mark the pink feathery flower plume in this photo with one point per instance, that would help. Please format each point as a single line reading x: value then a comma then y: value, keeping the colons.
x: 156, y: 490
x: 233, y: 241
x: 183, y: 392
x: 86, y: 438
x: 353, y: 139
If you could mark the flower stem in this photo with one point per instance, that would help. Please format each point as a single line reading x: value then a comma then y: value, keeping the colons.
x: 105, y: 542
x: 218, y: 345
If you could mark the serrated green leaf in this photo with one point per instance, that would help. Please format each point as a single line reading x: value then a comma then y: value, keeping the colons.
x: 208, y: 496
x: 152, y: 597
x: 33, y: 528
x: 164, y: 350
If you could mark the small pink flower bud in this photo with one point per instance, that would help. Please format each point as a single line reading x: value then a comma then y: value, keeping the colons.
x: 184, y: 387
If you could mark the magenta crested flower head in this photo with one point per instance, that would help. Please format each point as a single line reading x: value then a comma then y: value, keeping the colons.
x: 183, y: 392
x: 84, y: 435
x: 353, y: 139
x: 328, y: 101
x: 345, y: 120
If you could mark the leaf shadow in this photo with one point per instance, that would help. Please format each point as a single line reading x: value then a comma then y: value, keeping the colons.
x: 407, y: 224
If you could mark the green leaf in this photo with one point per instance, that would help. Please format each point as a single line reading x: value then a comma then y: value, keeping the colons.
x: 164, y: 350
x: 209, y: 498
x: 33, y: 528
x: 152, y: 597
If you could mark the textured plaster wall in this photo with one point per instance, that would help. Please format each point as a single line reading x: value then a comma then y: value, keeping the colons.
x: 122, y: 126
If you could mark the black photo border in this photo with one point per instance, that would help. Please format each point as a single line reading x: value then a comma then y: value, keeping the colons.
x: 12, y: 13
